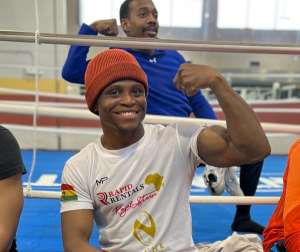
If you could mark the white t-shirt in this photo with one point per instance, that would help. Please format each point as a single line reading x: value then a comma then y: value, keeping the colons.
x: 139, y: 194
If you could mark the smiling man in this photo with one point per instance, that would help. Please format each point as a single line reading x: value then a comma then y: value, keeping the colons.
x: 143, y: 205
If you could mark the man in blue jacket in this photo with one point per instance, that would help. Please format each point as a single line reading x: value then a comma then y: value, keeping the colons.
x: 139, y: 18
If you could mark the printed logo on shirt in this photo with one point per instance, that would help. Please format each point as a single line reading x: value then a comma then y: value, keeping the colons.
x: 124, y: 192
x: 144, y: 231
x: 101, y: 181
x: 68, y: 193
x: 156, y: 181
x: 151, y: 186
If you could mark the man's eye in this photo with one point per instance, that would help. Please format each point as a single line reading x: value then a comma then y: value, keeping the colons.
x: 143, y: 14
x: 138, y: 91
x: 113, y: 92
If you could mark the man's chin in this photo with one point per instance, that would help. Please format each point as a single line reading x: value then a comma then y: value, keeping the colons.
x: 150, y: 35
x: 129, y: 127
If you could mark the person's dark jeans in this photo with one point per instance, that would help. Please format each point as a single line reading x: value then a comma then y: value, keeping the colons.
x: 249, y: 178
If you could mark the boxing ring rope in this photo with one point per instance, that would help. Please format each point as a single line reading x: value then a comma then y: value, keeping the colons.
x: 84, y: 106
x: 81, y: 98
x: 145, y: 43
x: 81, y: 101
x: 36, y: 96
x: 69, y: 131
x: 241, y: 200
x: 45, y: 94
x: 71, y: 113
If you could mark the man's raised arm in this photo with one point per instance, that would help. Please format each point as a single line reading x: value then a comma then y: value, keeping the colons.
x: 76, y: 62
x: 244, y: 140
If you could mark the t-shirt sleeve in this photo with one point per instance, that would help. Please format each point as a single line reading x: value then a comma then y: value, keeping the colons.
x: 187, y: 138
x: 11, y: 162
x: 74, y: 190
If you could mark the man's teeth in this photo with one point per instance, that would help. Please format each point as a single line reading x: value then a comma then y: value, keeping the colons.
x: 127, y: 113
x: 150, y: 31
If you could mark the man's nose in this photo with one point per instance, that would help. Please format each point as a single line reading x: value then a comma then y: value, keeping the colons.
x: 128, y: 99
x: 152, y: 19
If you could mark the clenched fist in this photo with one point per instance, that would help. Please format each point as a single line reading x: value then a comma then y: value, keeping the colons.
x: 190, y: 78
x: 107, y: 27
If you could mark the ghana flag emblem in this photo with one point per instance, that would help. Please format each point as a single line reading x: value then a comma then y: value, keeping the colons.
x: 68, y: 193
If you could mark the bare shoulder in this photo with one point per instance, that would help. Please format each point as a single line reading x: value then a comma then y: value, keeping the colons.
x: 215, y: 147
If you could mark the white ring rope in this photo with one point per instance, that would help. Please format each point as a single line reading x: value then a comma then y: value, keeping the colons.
x: 48, y: 104
x: 85, y: 114
x: 144, y: 43
x: 82, y: 98
x: 87, y: 131
x: 36, y: 81
x: 37, y: 18
x: 239, y: 200
x: 44, y: 94
x: 84, y: 106
x: 271, y: 110
x: 75, y: 131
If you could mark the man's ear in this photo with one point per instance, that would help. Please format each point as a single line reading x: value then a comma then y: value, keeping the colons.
x: 96, y: 108
x: 124, y: 24
x: 97, y: 104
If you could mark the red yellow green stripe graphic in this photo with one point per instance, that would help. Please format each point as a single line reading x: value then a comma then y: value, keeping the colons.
x: 68, y: 193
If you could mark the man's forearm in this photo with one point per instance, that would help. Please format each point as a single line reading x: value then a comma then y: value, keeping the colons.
x: 243, y: 127
x: 76, y: 62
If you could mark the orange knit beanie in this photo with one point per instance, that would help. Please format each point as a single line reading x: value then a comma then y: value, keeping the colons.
x: 107, y: 67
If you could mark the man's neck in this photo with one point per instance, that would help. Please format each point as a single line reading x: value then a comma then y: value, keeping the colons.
x: 118, y: 140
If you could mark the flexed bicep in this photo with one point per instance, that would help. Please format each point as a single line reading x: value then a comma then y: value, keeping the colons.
x: 216, y: 148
